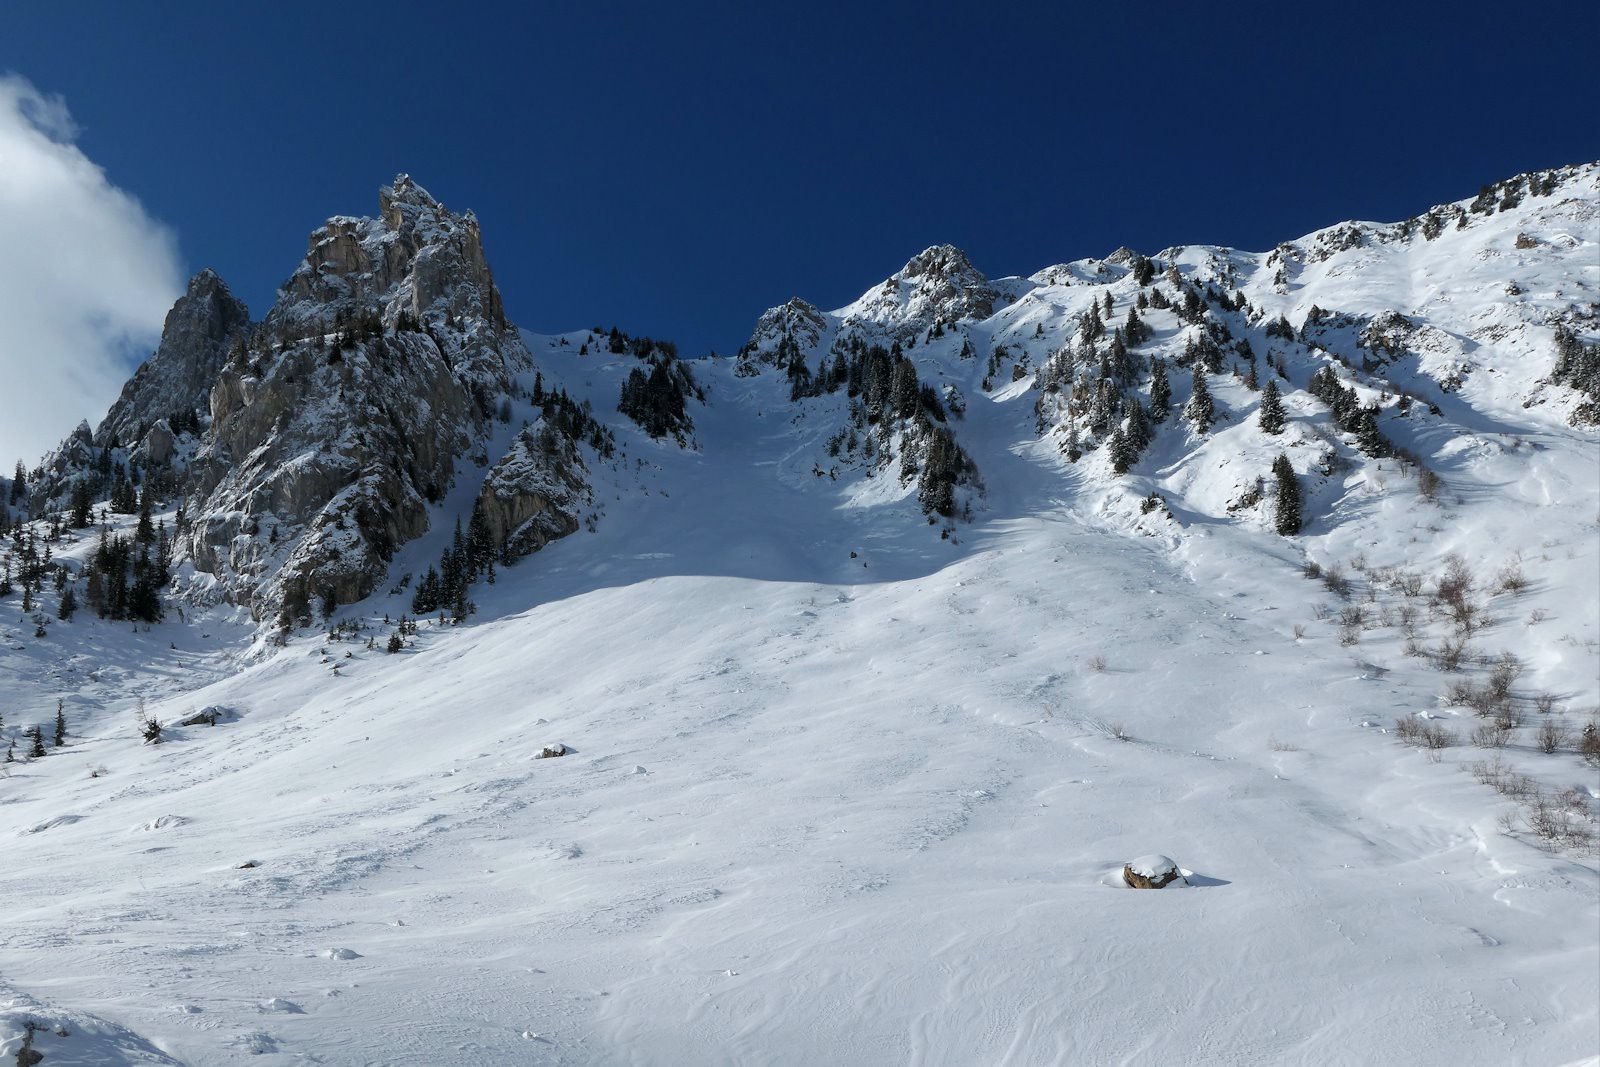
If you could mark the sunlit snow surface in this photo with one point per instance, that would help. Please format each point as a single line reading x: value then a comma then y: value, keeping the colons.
x: 841, y: 792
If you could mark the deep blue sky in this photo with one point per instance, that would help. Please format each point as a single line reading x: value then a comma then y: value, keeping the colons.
x: 676, y: 169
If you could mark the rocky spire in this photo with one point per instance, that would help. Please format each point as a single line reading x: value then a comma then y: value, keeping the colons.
x: 178, y: 377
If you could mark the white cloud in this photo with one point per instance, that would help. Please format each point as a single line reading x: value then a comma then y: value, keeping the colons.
x: 86, y: 277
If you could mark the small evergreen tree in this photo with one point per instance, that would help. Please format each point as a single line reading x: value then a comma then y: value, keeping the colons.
x: 1199, y: 410
x: 1288, y: 502
x: 36, y: 743
x: 150, y: 730
x: 68, y: 605
x: 61, y: 723
x: 1120, y: 452
x: 1160, y: 392
x: 1271, y: 415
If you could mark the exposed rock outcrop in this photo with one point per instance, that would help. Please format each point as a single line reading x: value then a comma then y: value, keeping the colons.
x: 380, y: 365
x: 177, y: 379
x: 533, y: 495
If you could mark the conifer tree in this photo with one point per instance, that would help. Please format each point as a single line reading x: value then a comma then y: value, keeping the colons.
x: 1288, y: 496
x: 1120, y: 452
x: 61, y: 723
x: 1199, y: 410
x: 1271, y: 415
x: 68, y: 605
x: 1160, y: 392
x: 36, y: 743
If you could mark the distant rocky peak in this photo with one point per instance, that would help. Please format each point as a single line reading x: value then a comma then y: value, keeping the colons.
x: 938, y: 284
x: 402, y: 198
x: 417, y: 259
x: 942, y: 262
x: 177, y: 379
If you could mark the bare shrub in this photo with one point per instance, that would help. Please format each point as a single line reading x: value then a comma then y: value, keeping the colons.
x: 1450, y: 653
x: 1553, y: 737
x: 1281, y: 746
x: 1311, y: 569
x: 1414, y: 647
x: 1490, y: 772
x: 1491, y: 735
x: 1409, y: 583
x: 1119, y: 731
x: 1455, y: 582
x: 1097, y: 664
x: 1589, y: 742
x: 1320, y: 612
x: 1428, y: 735
x: 1536, y: 616
x: 1299, y: 631
x: 1334, y: 581
x: 1429, y: 484
x: 1511, y: 579
x: 1505, y: 673
x: 1545, y: 702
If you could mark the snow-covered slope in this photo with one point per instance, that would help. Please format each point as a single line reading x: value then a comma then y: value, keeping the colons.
x: 850, y: 778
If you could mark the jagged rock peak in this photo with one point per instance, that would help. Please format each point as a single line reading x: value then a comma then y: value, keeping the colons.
x: 177, y: 378
x: 943, y: 261
x: 416, y: 259
x: 938, y: 284
x: 784, y: 330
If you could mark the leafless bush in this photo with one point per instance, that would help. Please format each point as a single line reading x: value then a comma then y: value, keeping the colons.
x: 1506, y: 670
x: 1450, y: 653
x: 1408, y: 620
x: 1311, y: 569
x: 1536, y: 616
x: 1414, y: 647
x: 1511, y: 579
x: 1119, y: 731
x: 1423, y: 733
x: 1097, y: 664
x: 1453, y: 587
x: 1561, y: 820
x: 1491, y: 735
x: 1428, y: 483
x: 1299, y: 631
x: 1589, y: 742
x: 1334, y: 581
x: 1409, y: 583
x: 1320, y: 612
x: 1281, y: 746
x: 1545, y: 702
x: 1553, y: 737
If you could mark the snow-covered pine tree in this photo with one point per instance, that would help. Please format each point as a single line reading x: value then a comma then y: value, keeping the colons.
x: 1271, y: 415
x: 1160, y: 392
x: 1199, y: 410
x: 1288, y: 497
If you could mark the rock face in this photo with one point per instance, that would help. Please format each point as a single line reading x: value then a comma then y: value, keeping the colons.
x: 1151, y: 872
x: 782, y: 333
x: 533, y: 495
x: 381, y: 364
x: 177, y: 379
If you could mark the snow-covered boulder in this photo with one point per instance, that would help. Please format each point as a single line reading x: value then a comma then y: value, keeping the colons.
x: 1151, y: 872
